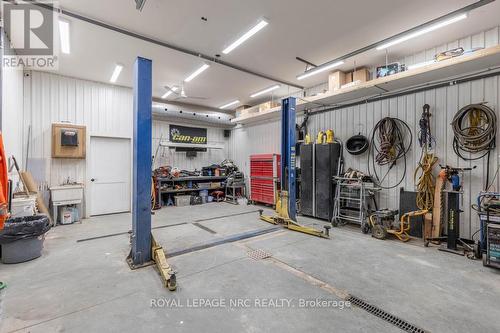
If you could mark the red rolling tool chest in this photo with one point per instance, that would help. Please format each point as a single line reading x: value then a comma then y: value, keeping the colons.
x: 265, y: 173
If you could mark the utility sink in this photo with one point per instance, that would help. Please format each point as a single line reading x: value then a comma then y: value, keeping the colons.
x: 66, y: 192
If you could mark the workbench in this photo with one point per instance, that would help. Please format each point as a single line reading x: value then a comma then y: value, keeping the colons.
x: 172, y: 182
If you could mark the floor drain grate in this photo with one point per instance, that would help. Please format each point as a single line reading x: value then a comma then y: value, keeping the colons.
x: 259, y: 254
x: 402, y: 324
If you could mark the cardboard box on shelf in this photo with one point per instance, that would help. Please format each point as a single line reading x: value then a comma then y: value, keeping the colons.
x: 361, y: 75
x: 268, y: 105
x: 242, y: 110
x: 215, y: 185
x: 336, y: 80
x: 348, y: 77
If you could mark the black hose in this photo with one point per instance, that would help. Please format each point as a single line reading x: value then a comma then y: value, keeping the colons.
x: 389, y: 147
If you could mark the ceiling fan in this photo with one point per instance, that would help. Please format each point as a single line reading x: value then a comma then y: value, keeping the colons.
x: 180, y: 94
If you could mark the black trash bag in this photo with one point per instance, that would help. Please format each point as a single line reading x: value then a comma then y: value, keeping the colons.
x: 24, y: 228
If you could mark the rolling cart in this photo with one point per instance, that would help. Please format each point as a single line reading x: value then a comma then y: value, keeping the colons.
x: 354, y: 201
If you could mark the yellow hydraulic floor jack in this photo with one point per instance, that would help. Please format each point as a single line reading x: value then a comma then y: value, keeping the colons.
x: 282, y: 218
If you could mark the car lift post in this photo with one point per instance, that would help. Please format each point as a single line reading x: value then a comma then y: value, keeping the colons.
x: 288, y: 157
x: 286, y: 205
x: 145, y: 251
x: 141, y: 192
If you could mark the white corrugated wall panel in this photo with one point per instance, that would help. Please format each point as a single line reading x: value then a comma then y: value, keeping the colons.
x: 180, y: 160
x: 12, y: 112
x: 249, y: 140
x: 444, y: 102
x: 106, y: 110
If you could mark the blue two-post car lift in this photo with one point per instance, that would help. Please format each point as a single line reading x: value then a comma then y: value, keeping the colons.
x: 145, y: 251
x: 286, y: 205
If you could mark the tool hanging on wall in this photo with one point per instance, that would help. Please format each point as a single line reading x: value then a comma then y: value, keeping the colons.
x: 425, y: 138
x: 391, y: 140
x: 302, y: 129
x: 426, y: 180
x: 357, y: 144
x: 475, y: 129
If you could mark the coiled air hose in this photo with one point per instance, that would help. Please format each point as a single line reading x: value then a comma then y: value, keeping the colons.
x: 388, y: 146
x: 475, y: 130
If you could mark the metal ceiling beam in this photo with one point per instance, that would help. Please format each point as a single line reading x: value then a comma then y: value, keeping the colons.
x: 198, y: 107
x: 139, y: 4
x: 163, y: 44
x: 409, y: 31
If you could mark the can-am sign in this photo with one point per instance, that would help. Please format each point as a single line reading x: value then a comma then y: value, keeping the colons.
x: 192, y: 135
x: 30, y: 29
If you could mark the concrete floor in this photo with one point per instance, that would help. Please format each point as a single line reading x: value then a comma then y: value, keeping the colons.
x: 87, y: 286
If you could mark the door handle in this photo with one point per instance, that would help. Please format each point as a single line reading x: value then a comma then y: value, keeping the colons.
x: 92, y: 180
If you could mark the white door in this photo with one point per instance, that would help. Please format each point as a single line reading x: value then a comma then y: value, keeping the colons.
x: 109, y: 175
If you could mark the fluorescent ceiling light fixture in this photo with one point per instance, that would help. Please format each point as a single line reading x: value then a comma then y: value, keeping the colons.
x: 423, y: 31
x: 421, y: 64
x: 229, y: 104
x: 319, y: 69
x: 64, y: 36
x: 259, y: 26
x: 262, y: 92
x: 197, y: 72
x: 170, y: 92
x: 116, y: 73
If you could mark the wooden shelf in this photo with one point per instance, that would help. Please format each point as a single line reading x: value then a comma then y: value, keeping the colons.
x: 184, y: 190
x: 444, y: 70
x: 173, y: 145
x: 191, y: 178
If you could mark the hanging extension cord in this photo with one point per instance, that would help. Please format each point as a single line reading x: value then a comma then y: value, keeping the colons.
x: 475, y: 129
x: 387, y: 147
x: 426, y: 182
